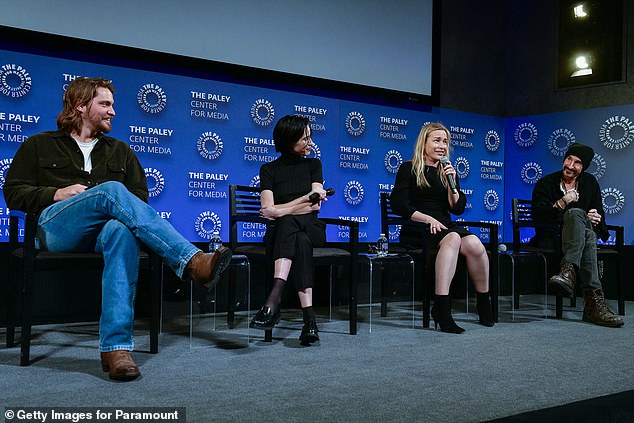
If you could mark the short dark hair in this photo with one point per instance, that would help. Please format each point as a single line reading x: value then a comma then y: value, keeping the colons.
x: 288, y: 130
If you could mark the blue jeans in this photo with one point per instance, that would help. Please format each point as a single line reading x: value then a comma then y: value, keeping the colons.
x: 108, y: 219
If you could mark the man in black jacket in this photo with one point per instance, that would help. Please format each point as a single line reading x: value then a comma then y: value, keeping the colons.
x: 572, y: 197
x: 90, y: 193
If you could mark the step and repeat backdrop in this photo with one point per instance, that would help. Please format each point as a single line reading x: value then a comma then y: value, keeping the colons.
x: 195, y: 137
x: 535, y: 147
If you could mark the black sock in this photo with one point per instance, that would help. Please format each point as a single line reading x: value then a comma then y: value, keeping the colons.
x: 273, y: 301
x: 309, y: 314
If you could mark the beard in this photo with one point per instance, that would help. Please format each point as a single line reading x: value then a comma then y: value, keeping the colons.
x: 104, y: 126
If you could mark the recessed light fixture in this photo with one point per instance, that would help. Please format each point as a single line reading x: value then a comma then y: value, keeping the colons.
x: 580, y: 12
x: 583, y: 66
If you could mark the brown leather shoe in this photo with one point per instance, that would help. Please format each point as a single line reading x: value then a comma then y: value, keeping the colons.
x: 204, y: 269
x: 597, y: 311
x: 563, y: 284
x: 120, y: 365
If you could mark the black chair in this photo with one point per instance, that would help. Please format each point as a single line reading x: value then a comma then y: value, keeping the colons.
x: 523, y: 252
x: 244, y: 206
x: 418, y: 254
x: 522, y: 217
x: 424, y: 256
x: 27, y: 262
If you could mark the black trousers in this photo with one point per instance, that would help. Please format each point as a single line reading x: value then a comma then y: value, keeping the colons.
x: 294, y: 237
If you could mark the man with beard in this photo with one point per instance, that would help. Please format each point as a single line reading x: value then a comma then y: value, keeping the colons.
x: 91, y: 194
x: 572, y: 197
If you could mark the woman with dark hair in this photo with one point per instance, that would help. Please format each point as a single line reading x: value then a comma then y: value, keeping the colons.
x: 286, y: 185
x: 422, y: 193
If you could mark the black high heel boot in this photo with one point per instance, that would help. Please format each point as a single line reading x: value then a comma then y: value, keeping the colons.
x: 485, y: 311
x: 441, y: 313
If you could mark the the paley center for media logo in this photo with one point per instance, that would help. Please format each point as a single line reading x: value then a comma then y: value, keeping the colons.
x: 206, y: 223
x: 15, y: 80
x: 151, y: 98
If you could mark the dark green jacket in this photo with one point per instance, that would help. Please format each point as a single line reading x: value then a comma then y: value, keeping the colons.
x: 51, y: 160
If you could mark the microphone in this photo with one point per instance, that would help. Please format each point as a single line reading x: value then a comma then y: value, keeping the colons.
x: 314, y: 197
x: 502, y: 248
x: 444, y: 161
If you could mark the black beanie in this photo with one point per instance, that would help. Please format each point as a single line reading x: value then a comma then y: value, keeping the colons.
x: 584, y: 153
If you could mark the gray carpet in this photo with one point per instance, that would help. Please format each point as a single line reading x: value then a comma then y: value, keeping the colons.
x: 394, y: 373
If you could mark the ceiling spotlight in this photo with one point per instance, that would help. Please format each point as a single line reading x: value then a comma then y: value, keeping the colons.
x: 582, y: 62
x: 583, y: 67
x: 579, y: 12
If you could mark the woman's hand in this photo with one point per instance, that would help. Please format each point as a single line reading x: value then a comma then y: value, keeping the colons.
x: 321, y: 194
x: 269, y: 212
x: 435, y: 226
x: 447, y: 168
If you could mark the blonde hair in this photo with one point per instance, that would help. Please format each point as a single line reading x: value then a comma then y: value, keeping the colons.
x: 418, y: 159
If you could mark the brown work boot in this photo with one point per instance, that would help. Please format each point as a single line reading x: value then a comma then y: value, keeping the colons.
x: 597, y: 311
x: 120, y: 365
x: 204, y: 269
x: 563, y: 284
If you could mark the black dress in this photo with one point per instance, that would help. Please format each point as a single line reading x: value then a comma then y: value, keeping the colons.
x: 407, y: 197
x: 293, y: 236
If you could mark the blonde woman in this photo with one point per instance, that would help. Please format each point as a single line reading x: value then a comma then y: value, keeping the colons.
x: 423, y: 192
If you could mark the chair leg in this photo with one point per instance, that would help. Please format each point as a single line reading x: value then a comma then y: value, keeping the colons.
x: 494, y: 287
x: 384, y: 277
x: 426, y: 311
x: 352, y: 298
x: 515, y: 281
x: 428, y: 283
x: 27, y: 306
x: 559, y: 307
x: 231, y: 298
x: 12, y: 300
x: 156, y: 291
x: 619, y: 289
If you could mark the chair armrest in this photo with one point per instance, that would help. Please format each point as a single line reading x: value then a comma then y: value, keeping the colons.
x: 620, y: 235
x: 14, y: 227
x: 233, y: 226
x: 406, y: 222
x: 30, y: 228
x: 493, y: 231
x: 555, y: 228
x: 248, y: 218
x: 340, y: 222
x: 353, y: 241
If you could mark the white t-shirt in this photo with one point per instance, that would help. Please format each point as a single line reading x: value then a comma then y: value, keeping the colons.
x: 86, y: 149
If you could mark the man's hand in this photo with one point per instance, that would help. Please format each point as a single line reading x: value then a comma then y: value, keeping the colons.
x: 570, y: 197
x: 70, y: 191
x: 594, y: 216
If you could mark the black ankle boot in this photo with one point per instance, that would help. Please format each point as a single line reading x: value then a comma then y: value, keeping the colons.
x: 485, y: 311
x: 441, y: 313
x: 310, y: 333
